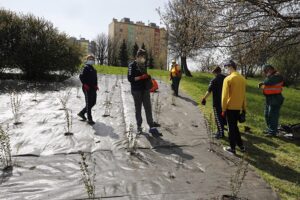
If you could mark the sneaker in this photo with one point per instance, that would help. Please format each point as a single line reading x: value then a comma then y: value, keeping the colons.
x: 154, y: 132
x: 270, y: 135
x: 229, y: 150
x: 155, y: 124
x: 91, y: 122
x: 139, y: 130
x: 218, y: 136
x: 81, y: 115
x: 243, y: 149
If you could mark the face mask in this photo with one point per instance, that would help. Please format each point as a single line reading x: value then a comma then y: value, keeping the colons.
x: 90, y: 62
x: 142, y: 60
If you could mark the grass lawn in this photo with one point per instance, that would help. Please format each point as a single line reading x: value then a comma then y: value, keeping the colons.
x: 277, y: 160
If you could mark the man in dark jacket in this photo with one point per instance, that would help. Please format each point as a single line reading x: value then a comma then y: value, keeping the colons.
x: 272, y: 89
x: 88, y: 78
x: 215, y: 87
x: 140, y: 90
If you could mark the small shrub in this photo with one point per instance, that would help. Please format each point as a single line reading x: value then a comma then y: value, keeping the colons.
x: 5, y: 150
x: 15, y: 102
x: 88, y: 176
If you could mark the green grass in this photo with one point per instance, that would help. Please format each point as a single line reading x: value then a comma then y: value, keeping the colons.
x: 277, y: 160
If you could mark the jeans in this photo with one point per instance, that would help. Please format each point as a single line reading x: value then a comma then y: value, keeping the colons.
x: 272, y: 117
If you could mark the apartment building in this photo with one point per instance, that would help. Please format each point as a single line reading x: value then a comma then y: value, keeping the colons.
x: 151, y: 35
x: 86, y: 46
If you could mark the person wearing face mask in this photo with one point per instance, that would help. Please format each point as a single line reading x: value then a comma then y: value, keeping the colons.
x: 140, y: 90
x: 233, y: 102
x: 88, y: 78
x: 175, y: 76
x: 272, y: 89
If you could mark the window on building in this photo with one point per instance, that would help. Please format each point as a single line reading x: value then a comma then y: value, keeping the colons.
x: 121, y: 30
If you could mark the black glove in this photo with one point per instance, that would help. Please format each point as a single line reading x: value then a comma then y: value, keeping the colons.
x: 203, y: 102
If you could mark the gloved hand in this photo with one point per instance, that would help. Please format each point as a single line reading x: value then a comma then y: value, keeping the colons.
x: 96, y: 87
x: 223, y: 114
x: 86, y: 87
x: 203, y: 101
x: 144, y: 76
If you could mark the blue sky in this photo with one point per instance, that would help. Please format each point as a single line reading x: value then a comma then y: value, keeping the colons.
x: 87, y: 18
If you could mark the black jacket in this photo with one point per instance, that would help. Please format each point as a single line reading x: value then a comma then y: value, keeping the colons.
x: 215, y: 86
x: 133, y: 71
x: 89, y: 76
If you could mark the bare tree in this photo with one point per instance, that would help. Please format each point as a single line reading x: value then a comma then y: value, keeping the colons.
x: 101, y: 48
x: 113, y: 51
x: 276, y: 23
x: 186, y: 22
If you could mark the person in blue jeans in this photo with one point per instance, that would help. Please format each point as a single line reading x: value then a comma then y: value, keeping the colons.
x: 272, y: 89
x: 140, y: 89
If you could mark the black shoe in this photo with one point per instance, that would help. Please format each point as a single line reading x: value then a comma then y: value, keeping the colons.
x: 139, y: 130
x: 218, y: 136
x: 154, y: 132
x: 270, y: 135
x: 243, y: 149
x: 155, y: 124
x: 229, y: 150
x: 81, y: 116
x: 91, y: 122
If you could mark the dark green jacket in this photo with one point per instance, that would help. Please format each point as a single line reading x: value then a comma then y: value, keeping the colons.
x: 274, y: 99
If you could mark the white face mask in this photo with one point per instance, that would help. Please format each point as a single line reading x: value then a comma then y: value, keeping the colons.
x: 90, y: 62
x: 141, y: 60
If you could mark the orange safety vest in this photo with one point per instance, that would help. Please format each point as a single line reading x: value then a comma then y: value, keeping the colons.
x: 273, y: 89
x: 175, y: 71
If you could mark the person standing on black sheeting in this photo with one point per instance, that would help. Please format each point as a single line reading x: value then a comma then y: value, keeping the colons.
x: 140, y: 89
x: 88, y: 78
x: 215, y: 87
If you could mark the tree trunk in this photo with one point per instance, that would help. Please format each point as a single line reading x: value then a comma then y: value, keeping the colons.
x: 184, y: 66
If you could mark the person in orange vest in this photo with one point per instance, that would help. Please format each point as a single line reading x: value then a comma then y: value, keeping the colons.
x: 272, y: 89
x: 175, y: 76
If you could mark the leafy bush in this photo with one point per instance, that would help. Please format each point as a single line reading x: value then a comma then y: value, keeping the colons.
x: 35, y: 46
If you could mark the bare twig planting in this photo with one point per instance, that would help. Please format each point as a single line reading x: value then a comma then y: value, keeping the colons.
x: 5, y: 150
x: 106, y: 84
x: 69, y: 122
x: 64, y: 98
x: 35, y: 90
x: 157, y: 108
x: 117, y: 80
x: 173, y: 100
x: 15, y: 101
x: 132, y: 141
x: 77, y: 91
x: 108, y: 102
x: 88, y: 176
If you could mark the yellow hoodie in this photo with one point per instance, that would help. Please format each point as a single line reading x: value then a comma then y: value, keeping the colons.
x: 234, y: 92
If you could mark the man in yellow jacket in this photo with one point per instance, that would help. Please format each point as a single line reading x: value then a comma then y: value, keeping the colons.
x: 233, y: 103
